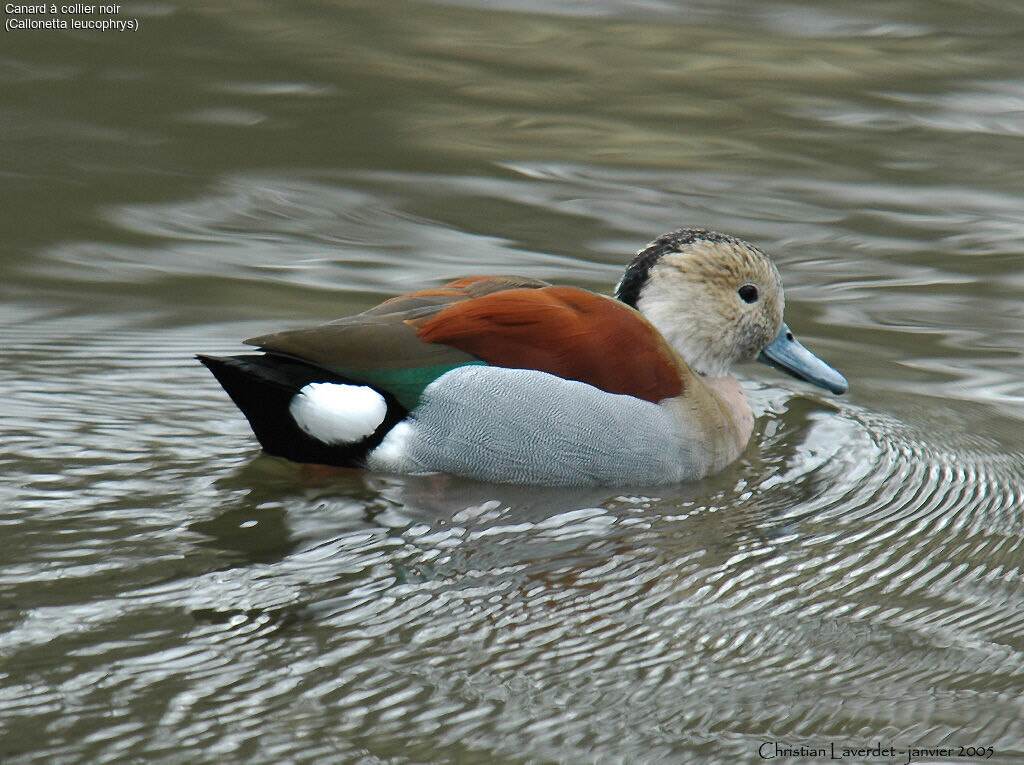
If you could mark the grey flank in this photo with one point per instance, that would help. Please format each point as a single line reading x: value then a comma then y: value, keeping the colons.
x: 525, y: 426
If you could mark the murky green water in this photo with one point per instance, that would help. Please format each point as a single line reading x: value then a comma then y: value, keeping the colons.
x: 167, y: 593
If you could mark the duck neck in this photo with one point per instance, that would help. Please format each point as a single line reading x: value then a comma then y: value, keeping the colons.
x: 734, y: 405
x: 718, y: 411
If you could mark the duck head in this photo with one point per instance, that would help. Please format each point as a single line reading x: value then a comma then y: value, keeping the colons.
x: 719, y: 301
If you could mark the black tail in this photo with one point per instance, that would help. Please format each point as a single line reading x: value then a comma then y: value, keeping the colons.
x: 263, y: 385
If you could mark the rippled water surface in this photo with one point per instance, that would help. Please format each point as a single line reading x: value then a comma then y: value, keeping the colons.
x: 168, y: 593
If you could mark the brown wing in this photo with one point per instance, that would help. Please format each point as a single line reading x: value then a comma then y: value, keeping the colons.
x: 565, y: 331
x: 505, y: 321
x: 460, y: 289
x: 381, y: 338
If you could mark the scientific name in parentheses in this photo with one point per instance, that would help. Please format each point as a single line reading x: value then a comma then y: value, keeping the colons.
x: 56, y: 22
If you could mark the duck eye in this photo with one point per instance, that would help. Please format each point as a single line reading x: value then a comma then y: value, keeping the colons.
x: 748, y: 293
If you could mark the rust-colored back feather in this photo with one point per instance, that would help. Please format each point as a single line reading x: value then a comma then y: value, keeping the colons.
x: 565, y: 331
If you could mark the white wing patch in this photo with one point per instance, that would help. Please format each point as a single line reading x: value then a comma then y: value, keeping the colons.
x: 338, y: 414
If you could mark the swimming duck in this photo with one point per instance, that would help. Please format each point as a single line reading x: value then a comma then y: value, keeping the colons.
x: 515, y: 380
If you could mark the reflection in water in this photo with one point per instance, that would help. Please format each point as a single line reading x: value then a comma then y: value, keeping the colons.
x: 257, y: 534
x: 167, y: 592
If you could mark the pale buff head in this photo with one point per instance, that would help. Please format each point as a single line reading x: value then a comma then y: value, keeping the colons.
x: 716, y: 299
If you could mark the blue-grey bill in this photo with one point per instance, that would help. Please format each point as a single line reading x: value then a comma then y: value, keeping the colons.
x: 785, y: 353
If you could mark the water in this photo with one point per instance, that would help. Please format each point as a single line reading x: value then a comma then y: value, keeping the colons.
x: 167, y: 593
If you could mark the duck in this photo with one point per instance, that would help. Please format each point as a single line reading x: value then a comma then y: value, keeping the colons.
x: 511, y: 379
